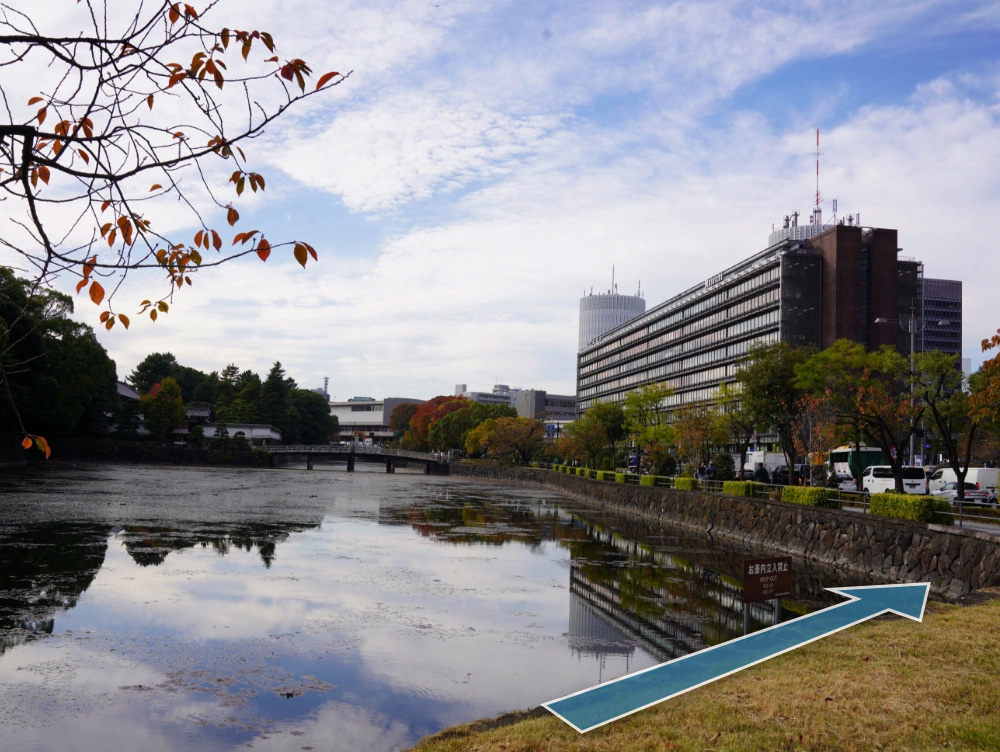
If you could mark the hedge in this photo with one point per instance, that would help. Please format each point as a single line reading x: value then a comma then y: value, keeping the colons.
x: 605, y: 474
x: 742, y: 487
x: 619, y: 477
x: 917, y: 507
x: 686, y: 484
x: 581, y: 471
x: 647, y: 480
x: 810, y: 496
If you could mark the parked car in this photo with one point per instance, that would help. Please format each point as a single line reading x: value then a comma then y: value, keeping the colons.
x: 973, y: 495
x: 978, y: 477
x: 878, y: 478
x: 780, y: 476
x: 842, y: 482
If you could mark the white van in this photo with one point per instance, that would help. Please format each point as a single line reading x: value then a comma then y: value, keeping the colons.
x: 878, y: 479
x: 983, y: 478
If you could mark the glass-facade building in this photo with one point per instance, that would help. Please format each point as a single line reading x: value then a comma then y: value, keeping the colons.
x: 814, y: 284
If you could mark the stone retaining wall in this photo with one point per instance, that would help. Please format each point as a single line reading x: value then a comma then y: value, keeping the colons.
x: 954, y: 560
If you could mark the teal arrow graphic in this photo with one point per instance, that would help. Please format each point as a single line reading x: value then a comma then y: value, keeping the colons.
x: 608, y: 702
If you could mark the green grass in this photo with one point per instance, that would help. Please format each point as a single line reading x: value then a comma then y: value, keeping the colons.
x: 887, y: 684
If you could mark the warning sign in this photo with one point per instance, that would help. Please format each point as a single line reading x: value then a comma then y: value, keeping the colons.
x: 767, y: 579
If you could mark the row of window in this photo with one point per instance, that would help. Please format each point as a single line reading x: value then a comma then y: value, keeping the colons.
x: 766, y: 277
x: 601, y: 370
x: 593, y: 361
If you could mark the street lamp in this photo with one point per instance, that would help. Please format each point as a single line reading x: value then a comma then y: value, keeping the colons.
x: 911, y: 328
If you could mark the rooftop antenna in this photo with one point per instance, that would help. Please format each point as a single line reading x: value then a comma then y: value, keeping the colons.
x: 817, y: 212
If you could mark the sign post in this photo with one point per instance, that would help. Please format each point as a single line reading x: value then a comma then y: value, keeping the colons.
x: 765, y: 580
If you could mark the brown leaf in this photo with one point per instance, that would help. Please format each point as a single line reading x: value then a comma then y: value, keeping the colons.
x: 263, y: 249
x: 232, y: 216
x: 96, y: 292
x: 124, y: 319
x: 41, y: 115
x: 34, y: 100
x: 300, y: 254
x: 149, y: 101
x: 325, y: 78
x: 156, y: 187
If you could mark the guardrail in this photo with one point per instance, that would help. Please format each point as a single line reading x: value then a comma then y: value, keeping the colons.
x: 337, y: 449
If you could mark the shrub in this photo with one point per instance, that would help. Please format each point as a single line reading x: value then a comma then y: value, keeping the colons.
x: 619, y: 477
x: 916, y: 507
x: 809, y: 496
x: 607, y: 464
x: 742, y: 487
x: 647, y: 480
x: 605, y: 475
x: 581, y: 471
x: 686, y: 484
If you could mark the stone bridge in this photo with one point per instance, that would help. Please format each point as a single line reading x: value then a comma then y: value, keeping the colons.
x: 350, y: 455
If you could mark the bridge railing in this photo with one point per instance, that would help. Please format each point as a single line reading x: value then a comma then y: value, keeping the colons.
x: 355, y: 450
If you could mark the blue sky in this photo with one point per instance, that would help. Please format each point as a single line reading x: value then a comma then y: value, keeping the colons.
x: 487, y: 162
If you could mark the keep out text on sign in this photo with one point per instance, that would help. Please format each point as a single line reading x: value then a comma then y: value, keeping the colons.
x: 767, y: 579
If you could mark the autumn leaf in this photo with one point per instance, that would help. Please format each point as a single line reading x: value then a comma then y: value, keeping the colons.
x: 149, y: 101
x: 34, y: 100
x: 263, y: 249
x: 156, y: 187
x: 96, y: 292
x: 300, y: 254
x: 232, y: 216
x: 26, y: 443
x: 124, y: 319
x: 325, y: 78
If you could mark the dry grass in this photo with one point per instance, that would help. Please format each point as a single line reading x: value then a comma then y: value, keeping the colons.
x: 888, y: 684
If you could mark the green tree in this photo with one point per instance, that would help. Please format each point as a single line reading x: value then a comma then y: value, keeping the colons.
x: 612, y: 417
x: 315, y: 424
x: 163, y: 409
x: 769, y: 393
x: 868, y: 396
x: 739, y: 420
x: 451, y: 430
x: 647, y: 418
x: 939, y: 386
x: 589, y: 437
x: 153, y: 369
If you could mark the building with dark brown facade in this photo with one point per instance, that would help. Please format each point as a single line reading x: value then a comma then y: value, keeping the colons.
x: 814, y: 284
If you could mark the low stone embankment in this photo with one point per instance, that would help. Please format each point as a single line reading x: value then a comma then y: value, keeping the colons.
x: 955, y: 561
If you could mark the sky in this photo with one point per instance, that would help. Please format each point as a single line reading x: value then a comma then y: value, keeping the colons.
x: 486, y: 163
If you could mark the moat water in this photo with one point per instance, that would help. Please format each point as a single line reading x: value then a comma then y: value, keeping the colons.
x: 155, y: 608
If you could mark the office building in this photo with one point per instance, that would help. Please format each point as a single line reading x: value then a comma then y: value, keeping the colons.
x: 942, y: 320
x: 814, y: 284
x: 368, y: 416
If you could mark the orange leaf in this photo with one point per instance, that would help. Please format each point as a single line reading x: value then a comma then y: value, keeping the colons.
x: 124, y: 319
x: 173, y: 15
x: 34, y: 100
x: 81, y: 284
x: 263, y: 249
x: 325, y: 78
x: 42, y: 444
x: 300, y: 254
x: 216, y: 241
x: 86, y: 157
x: 41, y: 115
x: 43, y: 173
x: 232, y: 216
x: 287, y: 72
x: 26, y: 443
x: 149, y: 101
x: 109, y: 323
x: 152, y: 315
x: 96, y: 292
x: 105, y: 205
x: 156, y: 187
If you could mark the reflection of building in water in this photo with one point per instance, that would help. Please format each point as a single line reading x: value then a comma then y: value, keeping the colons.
x: 668, y: 606
x: 591, y: 632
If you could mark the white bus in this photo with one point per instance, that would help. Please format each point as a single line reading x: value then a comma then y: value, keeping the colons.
x: 878, y: 479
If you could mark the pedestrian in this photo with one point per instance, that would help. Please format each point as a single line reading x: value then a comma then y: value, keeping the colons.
x: 761, y: 475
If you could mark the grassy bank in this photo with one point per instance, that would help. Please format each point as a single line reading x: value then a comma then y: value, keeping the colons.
x: 887, y: 684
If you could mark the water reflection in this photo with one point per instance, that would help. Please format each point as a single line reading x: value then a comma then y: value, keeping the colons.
x: 314, y: 609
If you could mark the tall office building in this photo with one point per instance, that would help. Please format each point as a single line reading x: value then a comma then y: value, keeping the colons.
x: 942, y: 319
x: 812, y: 285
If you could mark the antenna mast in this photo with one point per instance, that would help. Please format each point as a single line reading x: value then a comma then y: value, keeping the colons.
x: 818, y: 155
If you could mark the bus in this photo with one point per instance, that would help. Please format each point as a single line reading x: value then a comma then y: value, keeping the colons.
x: 843, y: 460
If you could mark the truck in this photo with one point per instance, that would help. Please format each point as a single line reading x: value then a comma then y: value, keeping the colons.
x: 770, y: 460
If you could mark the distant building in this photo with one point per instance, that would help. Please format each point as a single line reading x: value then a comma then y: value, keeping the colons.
x: 942, y: 319
x: 368, y: 416
x: 555, y: 410
x: 501, y: 395
x: 603, y: 312
x: 812, y: 285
